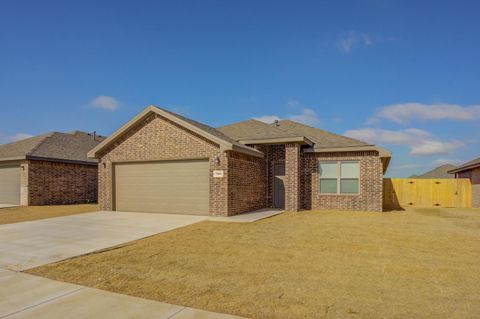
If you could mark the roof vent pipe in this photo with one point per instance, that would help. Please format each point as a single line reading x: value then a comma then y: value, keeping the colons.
x: 94, y: 135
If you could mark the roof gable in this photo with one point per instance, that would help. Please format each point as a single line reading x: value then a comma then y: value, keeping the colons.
x: 225, y: 142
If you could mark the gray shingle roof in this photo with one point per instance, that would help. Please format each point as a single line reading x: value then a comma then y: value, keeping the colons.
x: 215, y: 132
x: 253, y: 129
x: 468, y: 165
x: 321, y: 138
x: 72, y: 146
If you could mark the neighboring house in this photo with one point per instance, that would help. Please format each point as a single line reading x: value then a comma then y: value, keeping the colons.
x: 439, y: 172
x: 470, y: 170
x: 49, y: 169
x: 166, y: 163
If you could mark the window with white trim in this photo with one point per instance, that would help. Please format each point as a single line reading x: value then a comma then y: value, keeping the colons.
x: 339, y: 177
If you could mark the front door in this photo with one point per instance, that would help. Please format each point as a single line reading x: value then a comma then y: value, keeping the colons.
x: 279, y: 185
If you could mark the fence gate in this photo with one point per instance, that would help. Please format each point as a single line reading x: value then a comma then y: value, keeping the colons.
x: 413, y: 192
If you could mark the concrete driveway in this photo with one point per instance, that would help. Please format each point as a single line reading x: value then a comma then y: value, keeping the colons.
x: 29, y: 244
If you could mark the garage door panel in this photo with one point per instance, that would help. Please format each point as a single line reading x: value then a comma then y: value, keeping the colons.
x: 10, y: 185
x: 179, y: 187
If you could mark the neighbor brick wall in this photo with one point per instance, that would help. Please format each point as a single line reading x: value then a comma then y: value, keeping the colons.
x: 54, y: 183
x: 371, y: 183
x: 246, y: 183
x: 474, y: 176
x: 157, y: 138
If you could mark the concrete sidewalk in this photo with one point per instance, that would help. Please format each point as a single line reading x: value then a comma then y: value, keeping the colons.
x: 249, y: 217
x: 7, y: 205
x: 26, y: 296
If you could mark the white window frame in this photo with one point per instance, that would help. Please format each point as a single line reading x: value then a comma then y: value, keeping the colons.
x: 339, y: 178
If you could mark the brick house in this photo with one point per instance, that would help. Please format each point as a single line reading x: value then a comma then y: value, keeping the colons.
x: 49, y: 169
x: 470, y: 170
x: 163, y: 162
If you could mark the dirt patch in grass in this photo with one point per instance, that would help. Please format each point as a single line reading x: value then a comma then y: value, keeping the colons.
x: 301, y: 265
x: 25, y: 213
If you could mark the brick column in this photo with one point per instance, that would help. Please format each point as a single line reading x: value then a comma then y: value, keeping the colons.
x: 292, y: 177
x: 24, y: 191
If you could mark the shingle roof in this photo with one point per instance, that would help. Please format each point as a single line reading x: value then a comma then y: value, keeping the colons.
x: 253, y: 129
x: 321, y: 138
x: 72, y: 146
x: 215, y: 132
x: 468, y: 165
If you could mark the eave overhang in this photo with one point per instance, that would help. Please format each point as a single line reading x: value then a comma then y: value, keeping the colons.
x: 278, y: 140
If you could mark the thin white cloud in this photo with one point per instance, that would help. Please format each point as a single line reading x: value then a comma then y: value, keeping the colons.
x: 268, y: 118
x: 19, y: 136
x: 407, y: 112
x: 443, y: 161
x: 406, y: 166
x: 420, y: 142
x: 305, y: 116
x: 294, y: 104
x: 13, y: 138
x: 105, y: 102
x: 347, y: 41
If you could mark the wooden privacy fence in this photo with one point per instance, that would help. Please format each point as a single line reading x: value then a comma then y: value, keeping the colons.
x: 413, y: 192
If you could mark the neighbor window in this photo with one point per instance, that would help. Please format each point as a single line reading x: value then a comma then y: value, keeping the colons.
x: 339, y: 177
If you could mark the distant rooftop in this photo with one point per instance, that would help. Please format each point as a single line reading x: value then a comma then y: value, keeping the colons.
x: 468, y: 165
x: 71, y: 146
x: 438, y: 172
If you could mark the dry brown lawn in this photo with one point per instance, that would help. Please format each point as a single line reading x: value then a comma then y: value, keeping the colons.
x: 25, y: 213
x: 422, y: 263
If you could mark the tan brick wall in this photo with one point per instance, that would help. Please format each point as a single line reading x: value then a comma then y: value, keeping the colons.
x: 160, y: 139
x: 292, y: 177
x: 54, y: 183
x: 371, y: 183
x: 246, y: 183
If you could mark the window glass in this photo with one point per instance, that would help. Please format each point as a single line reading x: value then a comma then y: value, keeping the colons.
x: 328, y: 186
x: 349, y: 186
x: 328, y: 170
x: 349, y: 170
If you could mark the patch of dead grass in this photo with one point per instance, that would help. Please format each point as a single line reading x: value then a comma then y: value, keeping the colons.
x: 25, y: 213
x: 301, y: 265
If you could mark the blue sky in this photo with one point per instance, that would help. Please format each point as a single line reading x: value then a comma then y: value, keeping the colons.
x: 402, y: 74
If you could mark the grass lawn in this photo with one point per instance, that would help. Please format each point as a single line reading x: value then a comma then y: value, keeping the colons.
x: 24, y: 213
x: 422, y: 263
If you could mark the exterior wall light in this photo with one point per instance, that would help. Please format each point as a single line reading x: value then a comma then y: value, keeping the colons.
x: 216, y: 160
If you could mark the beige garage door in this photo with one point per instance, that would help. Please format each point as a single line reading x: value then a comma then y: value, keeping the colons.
x: 171, y: 187
x: 10, y: 185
